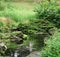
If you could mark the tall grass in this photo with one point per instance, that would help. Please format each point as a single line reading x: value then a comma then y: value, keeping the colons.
x: 17, y: 13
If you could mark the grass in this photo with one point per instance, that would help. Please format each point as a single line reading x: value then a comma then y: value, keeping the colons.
x: 20, y: 11
x: 25, y: 10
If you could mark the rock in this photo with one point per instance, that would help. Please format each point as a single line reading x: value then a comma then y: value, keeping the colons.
x: 23, y: 52
x: 9, y: 51
x: 17, y: 37
x: 3, y: 48
x: 3, y: 45
x: 34, y: 54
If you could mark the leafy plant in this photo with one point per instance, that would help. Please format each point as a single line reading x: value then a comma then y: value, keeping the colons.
x: 53, y: 46
x: 49, y: 11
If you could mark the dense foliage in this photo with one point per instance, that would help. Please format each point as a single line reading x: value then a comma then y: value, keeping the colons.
x: 53, y: 46
x: 49, y: 11
x: 20, y: 23
x: 37, y: 30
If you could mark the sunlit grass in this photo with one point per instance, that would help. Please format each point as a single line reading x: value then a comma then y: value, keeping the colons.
x: 20, y: 11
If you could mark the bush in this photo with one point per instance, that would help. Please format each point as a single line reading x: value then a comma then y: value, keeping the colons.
x: 49, y: 11
x: 53, y: 46
x: 36, y: 30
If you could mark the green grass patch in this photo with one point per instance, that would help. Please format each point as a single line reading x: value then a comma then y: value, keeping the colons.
x: 18, y: 11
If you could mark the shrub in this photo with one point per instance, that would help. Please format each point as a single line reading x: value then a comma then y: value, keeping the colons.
x: 37, y: 30
x: 49, y: 11
x: 53, y: 46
